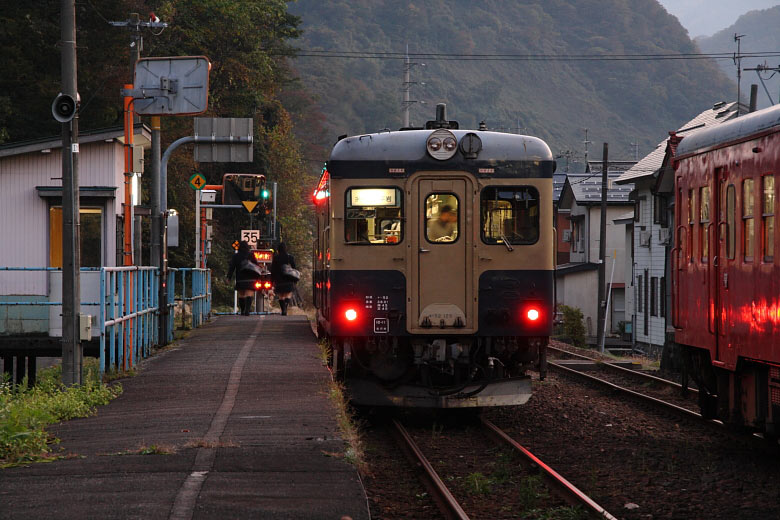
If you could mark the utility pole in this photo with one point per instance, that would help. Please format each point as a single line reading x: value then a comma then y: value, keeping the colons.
x: 407, y: 87
x: 586, y: 143
x: 71, y: 258
x: 738, y: 62
x: 602, y: 316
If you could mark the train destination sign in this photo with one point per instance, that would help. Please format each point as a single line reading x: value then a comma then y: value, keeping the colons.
x: 373, y: 197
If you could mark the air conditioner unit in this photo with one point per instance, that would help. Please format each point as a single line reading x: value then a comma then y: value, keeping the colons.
x: 566, y: 235
x: 663, y: 235
x: 644, y: 239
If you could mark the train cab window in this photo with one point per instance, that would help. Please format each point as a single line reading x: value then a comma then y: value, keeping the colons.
x: 704, y: 220
x: 731, y: 237
x: 768, y: 217
x: 510, y: 214
x: 441, y: 217
x: 748, y: 224
x: 373, y: 216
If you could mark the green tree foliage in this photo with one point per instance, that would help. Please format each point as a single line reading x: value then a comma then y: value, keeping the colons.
x: 619, y: 101
x: 573, y: 327
x: 247, y: 43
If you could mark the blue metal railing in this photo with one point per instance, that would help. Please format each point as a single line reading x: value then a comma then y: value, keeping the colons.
x: 129, y: 317
x: 128, y: 310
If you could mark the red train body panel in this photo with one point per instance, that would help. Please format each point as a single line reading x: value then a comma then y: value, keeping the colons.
x: 726, y: 278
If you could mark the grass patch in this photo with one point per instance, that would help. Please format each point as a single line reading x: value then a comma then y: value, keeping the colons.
x: 345, y: 415
x: 25, y: 412
x: 345, y: 419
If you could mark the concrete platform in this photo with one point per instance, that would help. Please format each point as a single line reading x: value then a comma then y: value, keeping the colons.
x: 240, y: 408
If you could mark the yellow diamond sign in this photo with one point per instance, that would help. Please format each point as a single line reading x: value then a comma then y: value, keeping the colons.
x: 250, y: 205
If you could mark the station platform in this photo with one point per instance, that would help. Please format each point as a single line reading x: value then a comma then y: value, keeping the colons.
x: 232, y: 422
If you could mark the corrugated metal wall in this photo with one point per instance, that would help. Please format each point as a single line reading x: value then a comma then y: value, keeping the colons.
x: 24, y: 215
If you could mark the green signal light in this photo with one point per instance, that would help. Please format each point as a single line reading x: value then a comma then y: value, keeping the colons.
x: 265, y: 193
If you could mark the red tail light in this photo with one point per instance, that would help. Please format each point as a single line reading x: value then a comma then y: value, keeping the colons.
x: 351, y: 314
x: 532, y: 314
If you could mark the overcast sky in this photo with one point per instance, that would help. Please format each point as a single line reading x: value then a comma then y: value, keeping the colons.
x: 706, y: 17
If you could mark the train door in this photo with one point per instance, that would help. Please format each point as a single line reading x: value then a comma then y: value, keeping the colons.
x: 723, y: 254
x: 442, y: 269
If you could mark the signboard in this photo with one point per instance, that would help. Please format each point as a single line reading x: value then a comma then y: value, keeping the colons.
x: 224, y: 127
x: 263, y: 256
x: 250, y: 205
x: 197, y: 181
x: 236, y: 244
x: 172, y: 86
x: 251, y: 236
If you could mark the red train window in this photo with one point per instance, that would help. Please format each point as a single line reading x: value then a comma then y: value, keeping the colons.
x: 768, y: 218
x: 748, y: 223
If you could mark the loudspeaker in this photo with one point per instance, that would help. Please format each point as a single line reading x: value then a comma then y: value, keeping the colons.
x: 64, y: 108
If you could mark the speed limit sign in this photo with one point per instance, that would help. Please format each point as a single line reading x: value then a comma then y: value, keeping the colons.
x: 251, y: 236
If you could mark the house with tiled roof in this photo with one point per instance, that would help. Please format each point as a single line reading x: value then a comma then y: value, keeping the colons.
x: 648, y: 287
x: 577, y: 280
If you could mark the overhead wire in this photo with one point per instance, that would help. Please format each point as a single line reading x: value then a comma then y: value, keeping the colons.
x: 317, y: 53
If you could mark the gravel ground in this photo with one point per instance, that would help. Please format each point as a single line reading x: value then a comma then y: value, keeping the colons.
x: 639, y: 464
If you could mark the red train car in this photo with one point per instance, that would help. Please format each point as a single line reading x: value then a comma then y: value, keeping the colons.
x: 726, y: 278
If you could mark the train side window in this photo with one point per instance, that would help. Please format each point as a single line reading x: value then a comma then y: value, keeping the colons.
x: 748, y: 224
x: 691, y: 222
x: 373, y: 216
x: 510, y: 213
x: 768, y: 217
x: 704, y: 221
x: 441, y: 217
x: 731, y: 236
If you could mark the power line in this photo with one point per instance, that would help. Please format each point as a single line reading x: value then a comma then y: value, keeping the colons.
x: 339, y: 54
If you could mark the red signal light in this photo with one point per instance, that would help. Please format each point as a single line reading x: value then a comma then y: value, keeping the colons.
x: 267, y: 285
x: 532, y: 314
x: 258, y: 285
x: 351, y: 314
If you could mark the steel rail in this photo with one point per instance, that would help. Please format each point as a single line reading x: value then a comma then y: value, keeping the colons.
x: 557, y: 483
x: 679, y: 410
x: 444, y: 499
x: 625, y: 371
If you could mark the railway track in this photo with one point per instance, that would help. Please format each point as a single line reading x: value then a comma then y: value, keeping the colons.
x: 449, y: 505
x: 624, y: 378
x: 626, y: 372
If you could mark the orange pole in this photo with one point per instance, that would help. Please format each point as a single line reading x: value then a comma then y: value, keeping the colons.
x: 128, y: 224
x: 202, y: 237
x: 217, y: 187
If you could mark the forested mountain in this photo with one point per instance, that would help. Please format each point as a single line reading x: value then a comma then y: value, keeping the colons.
x: 760, y: 35
x: 621, y: 102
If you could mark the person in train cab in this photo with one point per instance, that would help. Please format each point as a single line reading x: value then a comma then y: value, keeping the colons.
x: 446, y: 225
x: 284, y: 276
x: 247, y: 272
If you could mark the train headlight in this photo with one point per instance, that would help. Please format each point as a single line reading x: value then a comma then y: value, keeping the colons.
x: 442, y: 144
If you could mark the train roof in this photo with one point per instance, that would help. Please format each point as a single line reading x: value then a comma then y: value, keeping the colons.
x: 404, y: 152
x: 735, y: 130
x: 409, y: 145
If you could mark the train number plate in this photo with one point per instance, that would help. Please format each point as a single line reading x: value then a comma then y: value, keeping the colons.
x: 381, y: 326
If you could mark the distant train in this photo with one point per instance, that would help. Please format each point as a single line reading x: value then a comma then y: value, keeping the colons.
x: 726, y: 280
x: 434, y: 265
